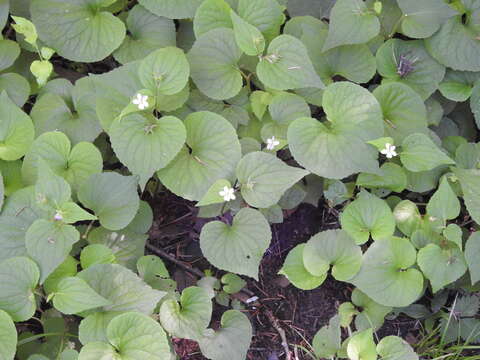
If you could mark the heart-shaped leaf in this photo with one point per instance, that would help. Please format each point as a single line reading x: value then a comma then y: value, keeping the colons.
x: 146, y: 144
x: 232, y: 341
x: 16, y: 87
x: 328, y: 340
x: 18, y: 278
x: 238, y: 247
x: 444, y: 203
x: 333, y: 248
x: 190, y: 318
x: 294, y: 269
x: 79, y: 30
x: 395, y: 348
x: 336, y: 148
x: 8, y: 337
x: 112, y: 197
x: 368, y: 216
x: 458, y: 85
x: 213, y: 64
x: 361, y: 346
x: 73, y: 295
x: 387, y: 275
x: 372, y: 315
x: 211, y: 153
x: 173, y: 9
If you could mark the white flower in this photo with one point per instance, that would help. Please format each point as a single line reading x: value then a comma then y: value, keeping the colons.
x: 271, y: 143
x: 58, y: 216
x: 141, y: 101
x: 389, y: 151
x: 227, y: 193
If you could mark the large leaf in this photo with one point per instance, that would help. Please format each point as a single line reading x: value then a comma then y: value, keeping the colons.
x: 73, y: 295
x: 419, y: 153
x: 409, y: 63
x: 18, y: 279
x: 333, y: 248
x: 458, y: 85
x: 8, y: 337
x: 79, y: 30
x: 351, y: 22
x: 123, y: 288
x: 231, y: 341
x: 239, y: 247
x: 173, y: 9
x: 213, y: 63
x: 368, y: 216
x: 211, y: 153
x: 336, y: 148
x: 146, y: 33
x: 294, y: 269
x: 130, y: 336
x: 49, y: 243
x: 403, y: 110
x: 287, y: 66
x: 74, y: 164
x: 387, y: 275
x: 16, y: 130
x: 211, y: 14
x: 472, y: 251
x: 112, y: 197
x: 9, y: 51
x: 264, y: 178
x: 441, y: 266
x: 422, y: 18
x: 470, y: 183
x: 146, y: 144
x: 189, y: 318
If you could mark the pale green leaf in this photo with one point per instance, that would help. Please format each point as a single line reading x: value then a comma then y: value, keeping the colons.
x: 361, y: 346
x: 211, y: 14
x: 8, y: 337
x: 328, y: 340
x: 248, y: 37
x: 96, y: 254
x: 395, y: 348
x: 419, y: 153
x: 9, y: 51
x: 472, y: 252
x: 470, y: 183
x: 173, y: 9
x: 444, y: 203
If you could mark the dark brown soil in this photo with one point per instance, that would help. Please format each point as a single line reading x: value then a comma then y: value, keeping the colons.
x: 299, y: 313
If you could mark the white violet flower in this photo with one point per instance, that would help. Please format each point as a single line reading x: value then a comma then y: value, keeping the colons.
x: 227, y: 193
x: 389, y: 151
x: 58, y: 216
x: 272, y: 143
x: 141, y: 101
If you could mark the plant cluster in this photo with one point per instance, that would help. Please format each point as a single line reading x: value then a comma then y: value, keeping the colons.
x: 247, y: 107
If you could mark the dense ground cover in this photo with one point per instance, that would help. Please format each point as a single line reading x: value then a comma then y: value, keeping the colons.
x: 239, y: 179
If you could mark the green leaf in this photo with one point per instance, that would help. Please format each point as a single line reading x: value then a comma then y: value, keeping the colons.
x: 42, y: 71
x: 211, y: 153
x: 232, y: 283
x: 351, y: 22
x: 368, y: 216
x: 94, y: 327
x: 146, y: 33
x: 328, y: 340
x: 12, y: 176
x: 458, y: 85
x: 444, y: 203
x: 231, y: 341
x: 403, y: 110
x: 96, y: 254
x: 143, y: 220
x: 395, y: 348
x: 212, y: 196
x: 8, y: 337
x: 153, y: 271
x: 387, y: 275
x: 9, y: 52
x: 164, y: 71
x: 454, y: 234
x: 239, y: 247
x: 130, y: 336
x: 112, y: 197
x: 472, y: 251
x: 16, y: 87
x: 393, y: 178
x: 287, y: 66
x: 74, y: 164
x: 371, y: 315
x: 336, y: 148
x: 249, y: 39
x: 73, y: 295
x: 361, y: 346
x: 173, y: 9
x: 18, y: 279
x: 26, y: 28
x: 16, y: 130
x: 441, y: 266
x: 72, y: 213
x: 49, y: 243
x: 409, y: 63
x: 419, y: 153
x: 66, y: 269
x: 264, y: 178
x: 211, y: 14
x: 213, y: 64
x: 146, y: 144
x: 407, y: 216
x: 470, y: 183
x: 332, y: 248
x: 294, y: 270
x: 265, y: 15
x: 51, y: 190
x: 285, y: 107
x: 123, y: 288
x: 421, y: 19
x: 78, y: 30
x: 190, y: 318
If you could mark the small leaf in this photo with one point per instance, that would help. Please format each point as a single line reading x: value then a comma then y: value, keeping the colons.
x: 71, y: 213
x: 66, y: 269
x: 444, y: 203
x: 211, y: 14
x: 328, y: 340
x: 9, y: 52
x: 173, y: 9
x: 8, y: 337
x: 212, y: 195
x: 361, y: 346
x: 96, y: 254
x: 232, y: 283
x: 419, y: 153
x: 472, y: 251
x: 249, y: 39
x: 26, y: 28
x: 395, y: 348
x: 470, y: 183
x: 42, y: 71
x: 393, y: 178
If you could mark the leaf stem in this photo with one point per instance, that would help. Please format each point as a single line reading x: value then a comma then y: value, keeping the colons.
x: 39, y: 336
